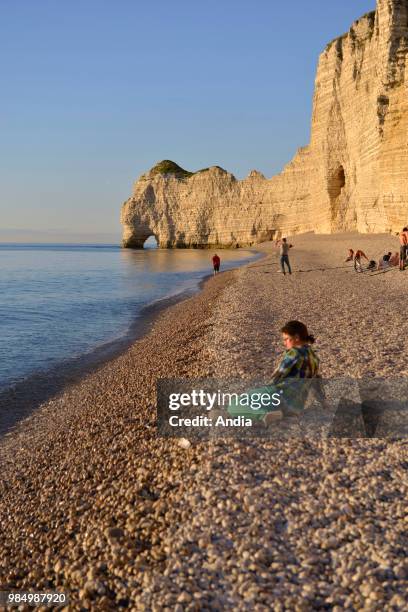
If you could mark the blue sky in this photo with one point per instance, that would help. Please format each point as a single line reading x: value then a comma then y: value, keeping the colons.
x: 95, y: 92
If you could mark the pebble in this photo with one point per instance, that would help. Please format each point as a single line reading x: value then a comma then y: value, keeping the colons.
x: 184, y: 443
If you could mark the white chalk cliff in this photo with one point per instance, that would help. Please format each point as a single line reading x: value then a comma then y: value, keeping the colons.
x: 352, y: 176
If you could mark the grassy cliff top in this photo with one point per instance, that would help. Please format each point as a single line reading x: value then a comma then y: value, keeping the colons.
x: 169, y: 167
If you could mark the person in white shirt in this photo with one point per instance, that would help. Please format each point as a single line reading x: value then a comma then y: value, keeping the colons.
x: 284, y: 255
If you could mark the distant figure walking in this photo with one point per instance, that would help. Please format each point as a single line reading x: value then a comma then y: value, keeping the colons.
x: 358, y: 256
x: 284, y: 255
x: 403, y: 238
x: 216, y: 264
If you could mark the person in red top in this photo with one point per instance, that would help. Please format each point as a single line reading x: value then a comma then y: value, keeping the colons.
x: 216, y: 263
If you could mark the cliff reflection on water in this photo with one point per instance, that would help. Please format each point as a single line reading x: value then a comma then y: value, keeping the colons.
x: 62, y: 301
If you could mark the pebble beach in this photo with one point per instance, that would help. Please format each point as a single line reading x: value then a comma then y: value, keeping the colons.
x: 94, y: 503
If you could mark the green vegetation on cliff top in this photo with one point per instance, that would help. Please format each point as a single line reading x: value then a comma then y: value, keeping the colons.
x: 169, y: 167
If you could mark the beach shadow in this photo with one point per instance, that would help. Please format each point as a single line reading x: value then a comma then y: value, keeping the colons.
x: 279, y: 273
x: 325, y: 269
x: 308, y: 270
x: 379, y: 272
x: 19, y: 402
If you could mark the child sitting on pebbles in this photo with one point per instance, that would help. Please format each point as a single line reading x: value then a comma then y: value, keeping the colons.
x: 299, y: 362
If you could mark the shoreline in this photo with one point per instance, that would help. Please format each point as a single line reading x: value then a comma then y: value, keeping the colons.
x: 29, y: 402
x: 94, y: 503
x: 22, y: 398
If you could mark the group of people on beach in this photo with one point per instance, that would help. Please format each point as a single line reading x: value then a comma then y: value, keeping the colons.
x: 299, y: 360
x: 388, y: 260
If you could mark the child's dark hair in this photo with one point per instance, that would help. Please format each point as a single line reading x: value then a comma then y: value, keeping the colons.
x: 296, y: 328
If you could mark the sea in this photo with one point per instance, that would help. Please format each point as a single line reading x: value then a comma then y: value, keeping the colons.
x: 61, y: 302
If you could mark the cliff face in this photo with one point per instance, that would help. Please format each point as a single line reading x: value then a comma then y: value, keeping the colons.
x: 352, y: 176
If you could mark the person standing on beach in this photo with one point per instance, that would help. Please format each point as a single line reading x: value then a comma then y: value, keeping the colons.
x: 216, y: 264
x: 284, y: 255
x: 403, y: 238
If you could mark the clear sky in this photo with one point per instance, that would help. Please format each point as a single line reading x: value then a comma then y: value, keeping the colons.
x: 95, y: 92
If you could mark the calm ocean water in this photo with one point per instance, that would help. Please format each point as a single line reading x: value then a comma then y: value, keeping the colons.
x: 58, y: 302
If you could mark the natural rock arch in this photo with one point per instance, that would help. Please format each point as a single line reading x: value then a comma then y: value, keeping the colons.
x: 151, y: 242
